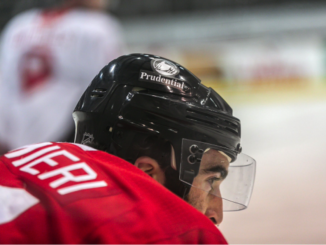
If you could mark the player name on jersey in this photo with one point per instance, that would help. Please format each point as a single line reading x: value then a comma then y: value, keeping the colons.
x: 62, y: 178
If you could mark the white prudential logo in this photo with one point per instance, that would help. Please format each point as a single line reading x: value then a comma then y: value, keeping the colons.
x: 164, y: 67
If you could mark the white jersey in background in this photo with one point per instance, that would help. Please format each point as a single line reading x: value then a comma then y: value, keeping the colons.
x: 47, y: 61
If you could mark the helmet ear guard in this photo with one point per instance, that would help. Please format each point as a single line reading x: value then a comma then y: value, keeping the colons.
x: 138, y: 96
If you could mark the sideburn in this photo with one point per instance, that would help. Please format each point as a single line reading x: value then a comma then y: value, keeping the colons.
x: 173, y: 183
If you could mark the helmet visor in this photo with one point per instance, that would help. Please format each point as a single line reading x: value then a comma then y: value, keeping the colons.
x: 209, y: 168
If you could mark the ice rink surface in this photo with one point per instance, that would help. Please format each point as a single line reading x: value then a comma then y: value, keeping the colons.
x: 288, y: 205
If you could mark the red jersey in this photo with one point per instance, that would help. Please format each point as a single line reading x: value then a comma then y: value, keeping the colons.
x: 69, y: 193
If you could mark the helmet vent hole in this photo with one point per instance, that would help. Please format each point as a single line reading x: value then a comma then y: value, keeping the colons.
x: 98, y: 92
x: 202, y: 121
x: 232, y: 130
x: 97, y: 95
x: 216, y: 121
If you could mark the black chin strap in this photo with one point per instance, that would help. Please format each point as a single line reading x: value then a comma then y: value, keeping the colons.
x: 185, y: 192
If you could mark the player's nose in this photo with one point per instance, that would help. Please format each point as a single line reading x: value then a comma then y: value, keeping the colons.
x: 214, y: 210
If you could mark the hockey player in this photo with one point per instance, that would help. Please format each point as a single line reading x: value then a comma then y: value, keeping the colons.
x: 47, y: 54
x: 146, y: 128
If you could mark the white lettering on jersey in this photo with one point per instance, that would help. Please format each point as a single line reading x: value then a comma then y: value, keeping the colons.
x: 68, y: 176
x: 84, y: 186
x: 33, y: 156
x: 84, y: 147
x: 48, y: 160
x: 25, y: 149
x: 65, y: 172
x: 14, y: 201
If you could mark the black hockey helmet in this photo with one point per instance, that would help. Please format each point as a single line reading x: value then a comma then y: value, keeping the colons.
x: 138, y: 95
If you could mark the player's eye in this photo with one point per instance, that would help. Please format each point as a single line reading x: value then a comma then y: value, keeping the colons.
x: 213, y: 180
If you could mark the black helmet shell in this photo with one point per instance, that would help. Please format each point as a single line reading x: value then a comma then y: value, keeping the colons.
x: 141, y: 94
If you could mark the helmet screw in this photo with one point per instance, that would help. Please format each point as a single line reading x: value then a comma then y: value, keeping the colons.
x: 186, y: 88
x: 193, y: 149
x: 191, y: 159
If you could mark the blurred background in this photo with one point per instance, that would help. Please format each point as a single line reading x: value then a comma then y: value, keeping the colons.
x: 267, y: 58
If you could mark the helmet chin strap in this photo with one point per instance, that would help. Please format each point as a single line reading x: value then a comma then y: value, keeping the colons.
x: 186, y: 188
x: 185, y: 192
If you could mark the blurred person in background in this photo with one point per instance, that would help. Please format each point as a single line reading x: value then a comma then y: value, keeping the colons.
x: 48, y: 56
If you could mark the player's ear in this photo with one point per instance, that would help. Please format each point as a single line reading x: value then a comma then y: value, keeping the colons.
x: 151, y: 167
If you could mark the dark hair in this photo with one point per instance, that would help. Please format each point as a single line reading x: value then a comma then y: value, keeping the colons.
x: 160, y: 150
x: 154, y: 147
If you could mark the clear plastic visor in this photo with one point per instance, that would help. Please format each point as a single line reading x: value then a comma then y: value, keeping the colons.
x: 207, y: 167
